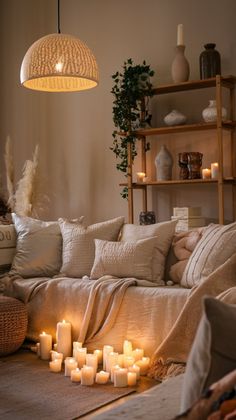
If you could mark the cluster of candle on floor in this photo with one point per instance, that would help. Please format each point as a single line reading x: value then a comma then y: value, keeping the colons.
x: 121, y: 369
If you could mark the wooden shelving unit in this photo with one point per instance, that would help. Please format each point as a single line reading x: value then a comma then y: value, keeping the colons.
x: 219, y: 126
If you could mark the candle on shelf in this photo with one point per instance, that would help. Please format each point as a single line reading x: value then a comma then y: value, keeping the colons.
x: 127, y: 348
x: 55, y: 355
x: 76, y: 345
x: 63, y: 335
x: 140, y: 176
x: 128, y: 361
x: 132, y: 378
x: 99, y: 356
x: 81, y: 356
x: 102, y: 377
x: 75, y: 375
x: 112, y: 359
x: 135, y: 369
x: 206, y: 173
x: 92, y: 360
x: 45, y: 345
x: 55, y: 365
x: 121, y: 378
x: 87, y: 375
x: 38, y: 349
x: 144, y: 365
x: 180, y: 34
x: 55, y: 346
x: 115, y: 367
x: 138, y: 354
x: 214, y: 170
x: 70, y: 364
x: 106, y: 350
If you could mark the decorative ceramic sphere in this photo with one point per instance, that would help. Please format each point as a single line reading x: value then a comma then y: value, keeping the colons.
x: 175, y: 118
x: 209, y: 114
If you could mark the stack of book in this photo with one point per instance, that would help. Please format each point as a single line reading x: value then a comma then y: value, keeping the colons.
x: 188, y: 218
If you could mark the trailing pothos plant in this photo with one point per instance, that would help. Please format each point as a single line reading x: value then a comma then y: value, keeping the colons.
x: 131, y: 89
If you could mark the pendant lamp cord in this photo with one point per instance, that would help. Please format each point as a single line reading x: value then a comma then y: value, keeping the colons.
x: 58, y: 17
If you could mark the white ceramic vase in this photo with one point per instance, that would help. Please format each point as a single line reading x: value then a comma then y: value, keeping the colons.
x: 164, y: 164
x: 209, y: 114
x: 175, y: 118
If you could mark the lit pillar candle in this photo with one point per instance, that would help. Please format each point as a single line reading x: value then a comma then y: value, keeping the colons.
x: 132, y: 378
x: 136, y: 369
x: 75, y: 375
x: 127, y: 348
x: 45, y: 345
x: 92, y: 360
x: 63, y: 335
x: 138, y: 354
x: 81, y: 356
x: 76, y: 345
x: 112, y: 359
x: 99, y: 356
x: 55, y: 365
x: 128, y: 361
x: 121, y: 378
x: 70, y: 364
x: 121, y: 360
x: 87, y: 375
x: 140, y: 176
x: 144, y: 365
x: 115, y: 367
x: 106, y: 351
x: 214, y: 170
x: 180, y: 34
x: 102, y: 377
x: 55, y: 355
x: 206, y: 173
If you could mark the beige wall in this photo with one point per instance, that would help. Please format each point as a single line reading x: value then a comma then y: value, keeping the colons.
x: 74, y: 130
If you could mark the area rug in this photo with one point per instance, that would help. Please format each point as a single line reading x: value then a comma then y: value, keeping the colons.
x: 28, y: 390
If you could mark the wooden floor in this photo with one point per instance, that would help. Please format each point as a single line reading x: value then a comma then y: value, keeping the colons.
x: 144, y: 384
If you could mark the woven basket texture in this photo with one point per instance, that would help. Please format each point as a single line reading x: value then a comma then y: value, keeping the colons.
x: 13, y: 324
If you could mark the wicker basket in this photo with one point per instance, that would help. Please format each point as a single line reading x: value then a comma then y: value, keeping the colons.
x: 13, y: 324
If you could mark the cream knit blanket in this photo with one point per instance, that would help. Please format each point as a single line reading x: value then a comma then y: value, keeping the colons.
x: 170, y: 357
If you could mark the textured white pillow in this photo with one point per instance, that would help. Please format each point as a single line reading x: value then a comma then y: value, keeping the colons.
x: 78, y: 244
x: 217, y: 244
x: 38, y: 248
x: 124, y: 259
x: 163, y: 232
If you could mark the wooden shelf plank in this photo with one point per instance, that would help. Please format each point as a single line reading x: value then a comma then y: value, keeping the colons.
x: 227, y: 125
x: 227, y: 81
x: 228, y: 180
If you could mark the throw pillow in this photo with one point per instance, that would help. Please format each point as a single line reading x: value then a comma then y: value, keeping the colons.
x: 7, y: 246
x: 38, y: 249
x: 163, y: 232
x: 213, y: 352
x: 124, y: 259
x: 78, y: 244
x: 183, y: 245
x: 217, y: 244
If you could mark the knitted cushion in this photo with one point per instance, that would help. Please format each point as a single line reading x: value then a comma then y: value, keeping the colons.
x: 13, y: 324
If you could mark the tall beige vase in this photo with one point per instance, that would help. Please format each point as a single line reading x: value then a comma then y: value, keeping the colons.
x: 180, y: 65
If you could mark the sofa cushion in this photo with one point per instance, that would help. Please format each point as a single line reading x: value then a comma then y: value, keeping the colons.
x: 163, y: 232
x: 38, y: 249
x: 217, y: 244
x: 79, y: 247
x: 7, y: 246
x: 213, y: 352
x: 124, y: 259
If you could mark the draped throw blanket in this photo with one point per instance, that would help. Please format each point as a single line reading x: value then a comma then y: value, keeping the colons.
x: 170, y: 357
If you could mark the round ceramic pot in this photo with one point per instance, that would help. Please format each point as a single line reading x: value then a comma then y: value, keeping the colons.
x: 209, y: 114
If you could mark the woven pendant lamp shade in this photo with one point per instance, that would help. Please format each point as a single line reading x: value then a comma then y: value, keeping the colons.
x: 59, y: 63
